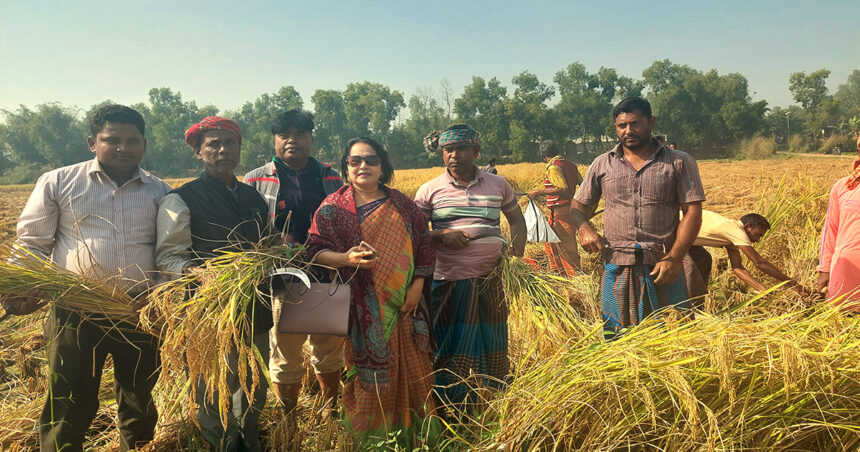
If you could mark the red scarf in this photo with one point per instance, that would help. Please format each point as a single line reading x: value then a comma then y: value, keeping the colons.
x: 854, y: 177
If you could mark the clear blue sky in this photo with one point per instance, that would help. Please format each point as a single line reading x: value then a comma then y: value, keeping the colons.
x: 225, y: 53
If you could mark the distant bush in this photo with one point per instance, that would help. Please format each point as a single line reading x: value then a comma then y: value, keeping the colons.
x: 802, y: 144
x: 756, y: 148
x: 25, y: 173
x: 837, y: 144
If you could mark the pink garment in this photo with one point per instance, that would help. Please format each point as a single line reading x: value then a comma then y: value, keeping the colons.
x: 840, y: 245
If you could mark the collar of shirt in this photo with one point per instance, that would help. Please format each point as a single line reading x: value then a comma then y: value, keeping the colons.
x: 310, y: 167
x: 96, y: 167
x: 211, y: 180
x: 618, y: 152
x: 478, y: 176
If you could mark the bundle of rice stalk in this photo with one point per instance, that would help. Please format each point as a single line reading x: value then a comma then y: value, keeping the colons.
x: 201, y: 320
x: 555, y: 300
x: 790, y: 201
x: 22, y: 271
x: 19, y: 418
x: 546, y: 310
x: 788, y: 381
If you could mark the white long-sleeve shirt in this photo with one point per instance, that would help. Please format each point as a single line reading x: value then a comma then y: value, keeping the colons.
x: 79, y: 218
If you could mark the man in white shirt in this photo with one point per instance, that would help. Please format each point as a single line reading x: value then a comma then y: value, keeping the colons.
x: 97, y: 218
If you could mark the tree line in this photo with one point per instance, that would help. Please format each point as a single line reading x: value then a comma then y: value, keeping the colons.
x: 705, y: 112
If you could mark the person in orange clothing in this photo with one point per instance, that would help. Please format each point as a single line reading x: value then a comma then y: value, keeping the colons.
x: 560, y: 180
x: 839, y: 261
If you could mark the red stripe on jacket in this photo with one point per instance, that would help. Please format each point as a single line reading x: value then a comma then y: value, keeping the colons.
x: 267, y: 179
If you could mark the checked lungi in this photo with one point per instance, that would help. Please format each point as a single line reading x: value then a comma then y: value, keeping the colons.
x: 629, y: 295
x: 471, y: 331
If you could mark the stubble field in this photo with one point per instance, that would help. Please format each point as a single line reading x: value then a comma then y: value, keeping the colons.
x: 744, y: 378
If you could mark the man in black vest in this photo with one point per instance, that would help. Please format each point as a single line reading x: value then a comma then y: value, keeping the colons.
x: 216, y: 211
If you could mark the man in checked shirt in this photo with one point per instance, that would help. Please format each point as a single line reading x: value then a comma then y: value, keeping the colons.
x: 97, y: 218
x: 644, y: 184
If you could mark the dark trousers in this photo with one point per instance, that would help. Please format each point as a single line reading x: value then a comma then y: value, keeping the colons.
x: 242, y: 431
x: 702, y: 258
x: 76, y: 355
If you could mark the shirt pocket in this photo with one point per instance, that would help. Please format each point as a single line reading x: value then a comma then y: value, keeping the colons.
x: 617, y: 188
x: 86, y: 218
x: 140, y: 223
x: 658, y: 187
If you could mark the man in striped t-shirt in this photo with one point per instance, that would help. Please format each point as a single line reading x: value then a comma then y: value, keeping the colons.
x: 468, y: 306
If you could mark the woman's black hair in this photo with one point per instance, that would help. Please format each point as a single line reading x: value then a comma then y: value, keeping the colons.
x: 387, y: 169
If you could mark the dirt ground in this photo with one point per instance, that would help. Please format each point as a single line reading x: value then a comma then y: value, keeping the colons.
x: 12, y: 200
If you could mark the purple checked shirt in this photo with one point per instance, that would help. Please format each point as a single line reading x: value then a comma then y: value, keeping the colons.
x: 641, y: 206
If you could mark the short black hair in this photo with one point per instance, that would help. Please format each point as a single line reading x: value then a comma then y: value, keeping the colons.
x: 492, y: 161
x: 387, y: 168
x: 548, y: 148
x: 115, y: 113
x: 754, y: 220
x: 631, y: 104
x: 300, y: 120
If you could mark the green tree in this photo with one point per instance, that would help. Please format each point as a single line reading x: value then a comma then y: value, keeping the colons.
x: 51, y: 135
x: 330, y: 126
x: 530, y: 118
x: 167, y: 118
x: 15, y: 137
x: 371, y: 108
x: 255, y: 118
x: 785, y: 121
x: 809, y: 90
x: 483, y: 106
x: 55, y: 131
x: 406, y: 143
x: 703, y: 111
x: 583, y: 111
x: 847, y: 96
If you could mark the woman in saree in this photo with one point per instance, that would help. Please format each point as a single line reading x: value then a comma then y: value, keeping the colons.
x: 378, y: 240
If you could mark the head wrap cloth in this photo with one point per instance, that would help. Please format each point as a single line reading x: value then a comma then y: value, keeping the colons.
x: 192, y: 135
x: 462, y: 137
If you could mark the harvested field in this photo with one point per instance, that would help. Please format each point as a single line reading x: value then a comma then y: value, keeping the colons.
x: 773, y: 372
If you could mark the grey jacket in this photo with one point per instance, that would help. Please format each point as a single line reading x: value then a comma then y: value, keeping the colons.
x: 265, y: 180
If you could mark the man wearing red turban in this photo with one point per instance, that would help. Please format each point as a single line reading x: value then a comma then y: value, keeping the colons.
x: 192, y: 135
x: 217, y: 212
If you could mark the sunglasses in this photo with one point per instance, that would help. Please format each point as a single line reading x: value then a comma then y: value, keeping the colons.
x: 371, y: 160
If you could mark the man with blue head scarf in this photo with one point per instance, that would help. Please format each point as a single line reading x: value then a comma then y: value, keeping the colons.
x: 468, y: 305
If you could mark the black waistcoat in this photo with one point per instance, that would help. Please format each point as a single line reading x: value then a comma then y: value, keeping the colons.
x: 222, y: 219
